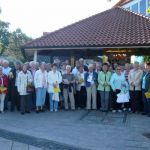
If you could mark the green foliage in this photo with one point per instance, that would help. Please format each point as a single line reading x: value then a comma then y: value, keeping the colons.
x: 146, y: 58
x: 4, y: 36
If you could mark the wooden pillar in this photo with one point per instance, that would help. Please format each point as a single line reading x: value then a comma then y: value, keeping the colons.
x: 35, y: 56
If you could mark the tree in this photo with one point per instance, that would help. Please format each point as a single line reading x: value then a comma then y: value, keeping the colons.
x: 4, y: 36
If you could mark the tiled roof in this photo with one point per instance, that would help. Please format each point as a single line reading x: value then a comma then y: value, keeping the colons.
x: 115, y: 27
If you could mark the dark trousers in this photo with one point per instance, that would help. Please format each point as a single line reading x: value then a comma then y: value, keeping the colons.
x: 81, y: 97
x: 146, y: 103
x: 15, y: 99
x: 135, y: 100
x: 25, y: 103
x: 115, y: 105
x: 33, y: 100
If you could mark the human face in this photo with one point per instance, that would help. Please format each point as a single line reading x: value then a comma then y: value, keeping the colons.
x: 147, y: 68
x: 81, y: 69
x: 5, y: 65
x: 54, y: 68
x: 90, y: 69
x: 136, y: 66
x: 68, y: 70
x: 105, y: 68
x: 24, y: 68
x: 118, y: 70
x: 42, y: 67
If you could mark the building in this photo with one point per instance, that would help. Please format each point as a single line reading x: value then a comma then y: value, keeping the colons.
x: 117, y: 33
x: 137, y: 6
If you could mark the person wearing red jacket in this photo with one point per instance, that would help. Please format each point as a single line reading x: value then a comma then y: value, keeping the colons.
x: 3, y: 88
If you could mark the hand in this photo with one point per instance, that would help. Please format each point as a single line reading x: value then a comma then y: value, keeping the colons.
x: 114, y: 90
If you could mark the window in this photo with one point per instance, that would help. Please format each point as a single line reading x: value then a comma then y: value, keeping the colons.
x: 143, y: 7
x: 135, y: 7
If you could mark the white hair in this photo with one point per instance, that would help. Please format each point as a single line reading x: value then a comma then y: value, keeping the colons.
x: 90, y: 65
x: 81, y: 59
x: 68, y: 67
x: 6, y: 61
x: 32, y: 63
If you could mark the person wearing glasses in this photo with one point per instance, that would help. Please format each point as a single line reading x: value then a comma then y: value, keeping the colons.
x: 117, y: 81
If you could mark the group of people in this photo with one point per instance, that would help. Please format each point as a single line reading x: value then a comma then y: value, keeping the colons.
x: 108, y: 87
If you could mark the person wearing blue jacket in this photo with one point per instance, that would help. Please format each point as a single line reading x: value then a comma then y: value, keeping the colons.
x: 90, y: 83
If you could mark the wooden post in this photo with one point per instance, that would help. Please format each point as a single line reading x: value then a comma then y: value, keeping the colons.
x: 35, y: 56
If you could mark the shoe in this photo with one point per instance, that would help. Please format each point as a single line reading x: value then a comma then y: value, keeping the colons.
x: 37, y: 111
x: 51, y: 110
x: 22, y: 113
x: 56, y: 110
x: 42, y: 110
x: 114, y: 111
x: 144, y: 113
x: 28, y: 112
x: 119, y: 111
x: 148, y: 115
x: 124, y: 109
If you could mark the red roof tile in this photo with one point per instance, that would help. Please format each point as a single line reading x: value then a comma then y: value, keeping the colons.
x: 112, y: 28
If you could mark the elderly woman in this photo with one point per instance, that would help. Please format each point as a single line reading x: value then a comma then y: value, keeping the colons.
x: 90, y: 83
x: 54, y: 79
x: 68, y: 80
x: 24, y: 79
x: 104, y: 86
x: 135, y: 84
x: 40, y: 83
x: 117, y: 82
x: 3, y: 89
x: 81, y: 90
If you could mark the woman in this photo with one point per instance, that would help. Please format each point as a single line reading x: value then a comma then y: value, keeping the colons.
x: 104, y: 86
x: 117, y: 81
x: 68, y: 80
x: 24, y: 79
x: 3, y: 89
x: 54, y: 79
x: 90, y: 83
x: 40, y: 83
x: 146, y: 88
x: 135, y: 84
x: 81, y: 90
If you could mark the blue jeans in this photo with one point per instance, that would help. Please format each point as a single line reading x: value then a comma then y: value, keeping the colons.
x: 53, y: 103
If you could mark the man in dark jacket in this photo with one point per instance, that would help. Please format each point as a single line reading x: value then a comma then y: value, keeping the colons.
x: 146, y: 88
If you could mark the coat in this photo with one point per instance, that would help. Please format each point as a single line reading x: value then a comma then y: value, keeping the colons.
x: 147, y: 82
x: 52, y: 79
x: 135, y: 78
x: 104, y: 78
x: 88, y: 84
x: 23, y: 80
x: 3, y: 84
x: 38, y: 78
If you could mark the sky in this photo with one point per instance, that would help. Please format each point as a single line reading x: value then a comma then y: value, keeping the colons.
x: 37, y: 16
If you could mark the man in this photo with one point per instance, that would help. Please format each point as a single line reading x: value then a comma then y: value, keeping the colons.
x: 13, y: 78
x: 81, y: 62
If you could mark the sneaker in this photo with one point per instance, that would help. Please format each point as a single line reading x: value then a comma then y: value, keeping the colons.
x: 56, y: 110
x: 114, y: 111
x: 51, y: 110
x: 124, y: 109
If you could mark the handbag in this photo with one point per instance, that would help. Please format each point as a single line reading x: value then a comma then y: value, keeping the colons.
x: 123, y: 97
x: 147, y: 95
x: 30, y: 87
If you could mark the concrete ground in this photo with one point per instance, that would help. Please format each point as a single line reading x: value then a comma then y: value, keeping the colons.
x: 74, y: 130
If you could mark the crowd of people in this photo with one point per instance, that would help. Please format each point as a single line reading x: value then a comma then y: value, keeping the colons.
x: 38, y: 87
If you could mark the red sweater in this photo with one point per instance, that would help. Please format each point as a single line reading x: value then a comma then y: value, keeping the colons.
x: 3, y: 83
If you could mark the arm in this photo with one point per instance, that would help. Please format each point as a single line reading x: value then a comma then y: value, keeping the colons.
x: 112, y: 80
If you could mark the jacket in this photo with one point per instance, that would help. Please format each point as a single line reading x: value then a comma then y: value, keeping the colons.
x: 135, y: 78
x: 87, y: 83
x: 52, y: 79
x: 23, y: 80
x: 38, y: 78
x: 102, y: 79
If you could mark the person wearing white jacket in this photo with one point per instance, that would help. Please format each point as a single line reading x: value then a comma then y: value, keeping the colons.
x: 40, y: 83
x: 54, y: 79
x: 24, y: 78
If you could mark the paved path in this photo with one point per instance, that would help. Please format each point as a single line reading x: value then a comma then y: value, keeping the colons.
x: 74, y: 130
